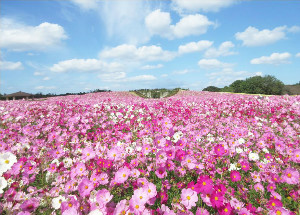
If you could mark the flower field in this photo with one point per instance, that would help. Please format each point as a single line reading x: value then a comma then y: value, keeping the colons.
x: 116, y: 153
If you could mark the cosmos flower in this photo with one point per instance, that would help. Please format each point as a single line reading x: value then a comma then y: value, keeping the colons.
x: 7, y: 160
x: 85, y: 187
x: 122, y: 175
x: 290, y: 176
x: 188, y: 198
x: 235, y: 176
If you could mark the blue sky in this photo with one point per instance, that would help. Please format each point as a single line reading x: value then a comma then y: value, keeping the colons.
x: 81, y: 45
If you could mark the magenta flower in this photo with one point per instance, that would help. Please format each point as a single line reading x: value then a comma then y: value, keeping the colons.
x: 216, y: 200
x: 274, y: 203
x: 85, y: 187
x: 226, y: 209
x: 29, y: 205
x: 205, y: 184
x: 235, y: 176
x: 290, y: 176
x: 202, y: 211
x: 161, y: 172
x: 220, y: 189
x: 219, y: 150
x: 189, y: 198
x: 122, y: 175
x: 271, y: 187
x: 259, y: 187
x: 245, y: 166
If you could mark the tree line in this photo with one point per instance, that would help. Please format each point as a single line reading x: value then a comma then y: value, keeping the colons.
x: 268, y: 85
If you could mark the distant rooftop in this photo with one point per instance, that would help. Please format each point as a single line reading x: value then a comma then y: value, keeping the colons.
x: 18, y: 94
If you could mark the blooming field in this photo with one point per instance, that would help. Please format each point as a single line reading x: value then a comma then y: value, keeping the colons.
x: 115, y: 153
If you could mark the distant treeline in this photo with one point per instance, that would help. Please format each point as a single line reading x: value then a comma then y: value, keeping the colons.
x: 268, y: 85
x: 156, y: 93
x: 41, y: 95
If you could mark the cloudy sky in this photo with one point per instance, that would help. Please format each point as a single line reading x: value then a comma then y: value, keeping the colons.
x: 81, y: 45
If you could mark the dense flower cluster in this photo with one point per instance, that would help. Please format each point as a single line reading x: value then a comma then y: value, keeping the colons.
x: 115, y: 153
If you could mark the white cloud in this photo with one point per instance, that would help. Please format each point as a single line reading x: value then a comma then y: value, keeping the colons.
x: 227, y: 75
x: 159, y: 23
x: 45, y: 87
x: 8, y: 65
x: 86, y: 4
x: 133, y: 53
x: 194, y: 46
x: 20, y: 37
x: 38, y: 74
x: 294, y: 29
x: 152, y: 66
x: 223, y: 50
x: 298, y: 54
x: 181, y: 72
x: 164, y: 75
x: 142, y: 78
x: 86, y: 65
x: 213, y: 64
x: 254, y: 37
x: 275, y: 58
x: 202, y: 5
x: 46, y: 78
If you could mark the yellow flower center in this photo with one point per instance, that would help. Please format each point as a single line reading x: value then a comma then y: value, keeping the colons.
x: 188, y: 198
x: 225, y: 210
x: 278, y: 212
x: 216, y: 198
x: 204, y: 183
x: 124, y: 175
x: 289, y: 175
x: 273, y: 204
x: 7, y: 161
x: 88, y: 154
x: 149, y: 191
x: 137, y: 206
x: 86, y: 187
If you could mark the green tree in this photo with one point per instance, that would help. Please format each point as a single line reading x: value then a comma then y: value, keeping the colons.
x: 237, y: 86
x: 212, y: 89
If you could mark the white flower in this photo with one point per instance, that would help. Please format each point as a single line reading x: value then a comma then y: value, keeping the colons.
x: 7, y: 159
x: 67, y: 162
x: 265, y: 150
x: 56, y: 202
x: 129, y: 150
x: 233, y: 167
x: 55, y: 161
x: 238, y: 150
x: 241, y: 141
x: 3, y: 184
x: 253, y: 156
x: 96, y: 212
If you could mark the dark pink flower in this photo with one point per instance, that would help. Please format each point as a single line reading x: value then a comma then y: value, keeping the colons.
x: 225, y: 209
x: 235, y: 176
x: 274, y: 203
x: 205, y: 184
x: 161, y: 172
x: 216, y: 200
x: 219, y: 150
x: 29, y: 205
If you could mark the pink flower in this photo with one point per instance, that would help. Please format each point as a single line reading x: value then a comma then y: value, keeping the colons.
x: 220, y: 189
x: 245, y: 166
x: 226, y: 209
x: 274, y: 203
x: 189, y: 162
x: 271, y: 187
x: 161, y: 172
x: 29, y: 205
x: 219, y: 150
x: 296, y: 156
x: 216, y: 200
x: 290, y: 176
x: 189, y: 198
x: 103, y: 197
x: 151, y: 190
x: 141, y: 195
x: 194, y: 187
x: 279, y: 211
x: 205, y: 184
x: 87, y: 154
x: 235, y: 176
x: 136, y: 206
x: 202, y: 211
x: 85, y: 187
x: 121, y: 207
x: 259, y: 187
x: 122, y: 175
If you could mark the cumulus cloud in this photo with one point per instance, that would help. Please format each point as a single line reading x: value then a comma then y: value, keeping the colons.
x: 227, y: 75
x: 45, y: 87
x: 254, y: 37
x: 86, y: 4
x: 275, y: 58
x: 152, y: 66
x: 46, y: 78
x: 159, y: 23
x: 86, y: 65
x: 294, y: 29
x: 121, y: 77
x: 133, y: 53
x: 181, y: 72
x: 298, y: 54
x: 223, y: 50
x: 202, y: 5
x: 8, y: 65
x: 16, y: 36
x: 194, y: 46
x: 213, y: 64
